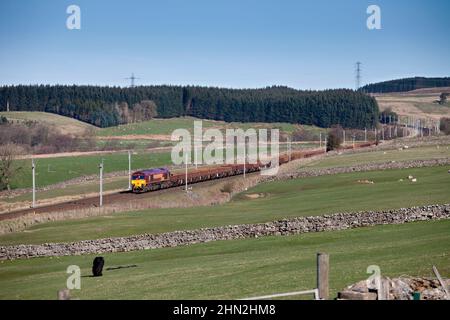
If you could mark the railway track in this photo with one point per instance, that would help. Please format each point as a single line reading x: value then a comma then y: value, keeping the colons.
x: 125, y: 196
x: 93, y: 202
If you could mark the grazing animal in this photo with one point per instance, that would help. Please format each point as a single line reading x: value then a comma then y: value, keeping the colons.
x: 97, y: 266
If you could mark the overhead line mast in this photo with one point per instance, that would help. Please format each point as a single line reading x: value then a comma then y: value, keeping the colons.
x: 132, y: 78
x: 358, y: 75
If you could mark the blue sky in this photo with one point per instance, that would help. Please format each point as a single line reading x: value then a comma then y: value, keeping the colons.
x: 244, y: 43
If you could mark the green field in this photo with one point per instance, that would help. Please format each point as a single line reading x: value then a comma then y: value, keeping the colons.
x: 282, y: 199
x: 239, y: 268
x: 154, y: 126
x: 420, y: 153
x: 54, y: 170
x: 132, y: 144
x: 73, y: 190
x: 167, y: 126
x: 58, y: 169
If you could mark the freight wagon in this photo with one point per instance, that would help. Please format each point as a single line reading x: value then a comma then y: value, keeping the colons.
x: 162, y: 178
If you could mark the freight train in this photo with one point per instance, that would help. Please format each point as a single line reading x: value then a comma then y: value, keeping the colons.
x: 162, y: 178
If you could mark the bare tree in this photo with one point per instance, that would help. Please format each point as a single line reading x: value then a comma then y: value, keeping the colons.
x: 7, y: 167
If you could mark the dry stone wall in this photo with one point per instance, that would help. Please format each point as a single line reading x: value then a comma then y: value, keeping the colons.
x: 338, y: 221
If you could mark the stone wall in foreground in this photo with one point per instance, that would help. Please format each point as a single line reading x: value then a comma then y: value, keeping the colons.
x: 338, y: 221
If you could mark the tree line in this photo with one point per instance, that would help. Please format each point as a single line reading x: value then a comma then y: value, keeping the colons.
x: 110, y: 106
x: 407, y: 84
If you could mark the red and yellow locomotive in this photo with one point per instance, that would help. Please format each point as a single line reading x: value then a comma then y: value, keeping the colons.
x: 148, y: 180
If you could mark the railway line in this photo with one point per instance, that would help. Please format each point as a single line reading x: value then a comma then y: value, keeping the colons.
x: 179, y: 180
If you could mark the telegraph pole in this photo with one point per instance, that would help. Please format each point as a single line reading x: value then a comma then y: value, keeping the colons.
x: 365, y: 134
x: 33, y: 169
x: 101, y: 183
x: 186, y: 172
x: 245, y: 155
x: 129, y: 170
x: 289, y: 148
x: 320, y: 140
x: 195, y: 156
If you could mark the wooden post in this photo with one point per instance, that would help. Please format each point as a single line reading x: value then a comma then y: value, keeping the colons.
x: 186, y: 172
x: 383, y: 290
x: 323, y: 261
x: 443, y: 284
x: 33, y: 169
x: 101, y: 183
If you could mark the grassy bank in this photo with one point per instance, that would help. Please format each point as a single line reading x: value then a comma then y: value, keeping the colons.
x: 167, y: 126
x: 419, y: 153
x: 239, y: 268
x: 275, y: 200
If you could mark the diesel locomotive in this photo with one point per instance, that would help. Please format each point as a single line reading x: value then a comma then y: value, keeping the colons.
x: 162, y: 178
x: 151, y: 179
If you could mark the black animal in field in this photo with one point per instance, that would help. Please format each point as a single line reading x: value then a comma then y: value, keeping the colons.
x: 97, y: 266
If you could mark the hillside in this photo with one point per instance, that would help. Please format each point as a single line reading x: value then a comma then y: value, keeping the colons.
x: 110, y: 106
x: 407, y: 84
x: 165, y: 127
x: 420, y: 103
x: 64, y: 124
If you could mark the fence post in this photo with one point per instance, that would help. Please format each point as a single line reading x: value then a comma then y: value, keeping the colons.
x: 323, y: 262
x: 33, y: 169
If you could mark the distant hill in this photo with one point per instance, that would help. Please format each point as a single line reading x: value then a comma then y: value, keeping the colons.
x: 110, y: 106
x: 407, y: 84
x: 65, y: 125
x: 419, y: 103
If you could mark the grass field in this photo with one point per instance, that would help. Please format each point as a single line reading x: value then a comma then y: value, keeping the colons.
x: 283, y: 199
x: 58, y: 169
x: 239, y: 268
x: 420, y: 153
x: 115, y: 183
x: 167, y: 126
x: 151, y: 127
x: 64, y: 124
x: 54, y: 170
